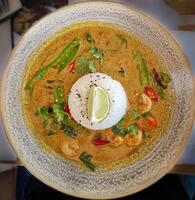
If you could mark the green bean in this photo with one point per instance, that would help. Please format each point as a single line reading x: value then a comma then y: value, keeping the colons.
x: 60, y: 62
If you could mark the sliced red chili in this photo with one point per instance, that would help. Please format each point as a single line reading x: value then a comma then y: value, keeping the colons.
x: 72, y: 65
x: 151, y: 93
x: 152, y: 123
x: 67, y: 109
x: 100, y: 142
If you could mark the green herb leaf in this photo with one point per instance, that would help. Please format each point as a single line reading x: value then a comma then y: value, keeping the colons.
x: 134, y: 113
x: 86, y: 159
x: 165, y: 77
x: 43, y: 111
x: 159, y: 89
x: 86, y: 65
x: 97, y: 53
x: 51, y: 133
x: 60, y: 114
x: 70, y: 131
x: 89, y: 38
x: 132, y: 129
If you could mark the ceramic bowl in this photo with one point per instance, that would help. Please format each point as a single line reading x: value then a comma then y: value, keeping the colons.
x: 62, y: 174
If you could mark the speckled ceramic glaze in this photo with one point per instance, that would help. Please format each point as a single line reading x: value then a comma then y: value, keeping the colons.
x: 62, y: 174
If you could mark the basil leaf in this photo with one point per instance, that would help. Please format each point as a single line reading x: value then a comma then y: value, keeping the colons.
x: 60, y: 114
x: 134, y: 113
x: 132, y: 129
x: 86, y: 159
x: 97, y: 53
x: 70, y: 131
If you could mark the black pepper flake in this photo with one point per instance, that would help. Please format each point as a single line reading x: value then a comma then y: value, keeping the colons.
x: 95, y: 85
x: 97, y: 75
x: 113, y: 101
x: 108, y: 89
x: 86, y: 97
x: 78, y: 95
x: 81, y: 111
x: 79, y: 120
x: 95, y: 80
x: 91, y: 123
x: 104, y: 77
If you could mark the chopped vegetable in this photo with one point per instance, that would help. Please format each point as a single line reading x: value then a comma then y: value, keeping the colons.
x: 67, y: 109
x: 60, y: 114
x: 97, y: 53
x: 165, y: 77
x: 59, y: 95
x: 85, y: 65
x: 152, y: 123
x: 72, y: 66
x: 118, y: 130
x: 159, y: 90
x: 151, y: 92
x: 70, y: 131
x: 100, y: 142
x: 51, y: 133
x: 86, y: 159
x: 89, y: 38
x: 133, y: 129
x: 144, y: 73
x: 121, y: 71
x: 123, y: 39
x: 43, y: 111
x: 134, y: 113
x: 157, y: 78
x: 60, y: 62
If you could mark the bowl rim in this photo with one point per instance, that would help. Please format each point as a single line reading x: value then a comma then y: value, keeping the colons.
x: 7, y: 130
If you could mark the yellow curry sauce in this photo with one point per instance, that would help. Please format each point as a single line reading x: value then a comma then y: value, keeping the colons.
x: 118, y: 47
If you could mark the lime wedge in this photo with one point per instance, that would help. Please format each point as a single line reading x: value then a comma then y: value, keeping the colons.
x: 98, y: 104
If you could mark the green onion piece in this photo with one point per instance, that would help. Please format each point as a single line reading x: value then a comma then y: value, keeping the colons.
x: 86, y: 159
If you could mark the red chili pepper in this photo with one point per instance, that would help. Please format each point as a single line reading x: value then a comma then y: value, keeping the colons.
x: 152, y: 123
x: 100, y: 142
x: 72, y: 65
x: 151, y: 93
x: 67, y: 109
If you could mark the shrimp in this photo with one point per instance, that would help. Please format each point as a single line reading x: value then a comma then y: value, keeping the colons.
x: 144, y: 103
x: 70, y: 148
x: 135, y: 139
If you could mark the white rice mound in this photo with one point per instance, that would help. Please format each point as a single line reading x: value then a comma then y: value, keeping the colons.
x: 78, y: 99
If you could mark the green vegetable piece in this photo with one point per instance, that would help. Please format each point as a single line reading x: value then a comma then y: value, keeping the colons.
x: 144, y: 74
x: 97, y: 53
x: 134, y: 113
x: 165, y: 77
x: 132, y: 129
x: 60, y: 114
x: 60, y: 62
x: 85, y: 65
x: 86, y: 159
x: 43, y: 111
x: 123, y: 39
x: 70, y: 131
x: 118, y: 130
x: 89, y: 38
x: 159, y: 89
x: 49, y: 133
x: 59, y: 95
